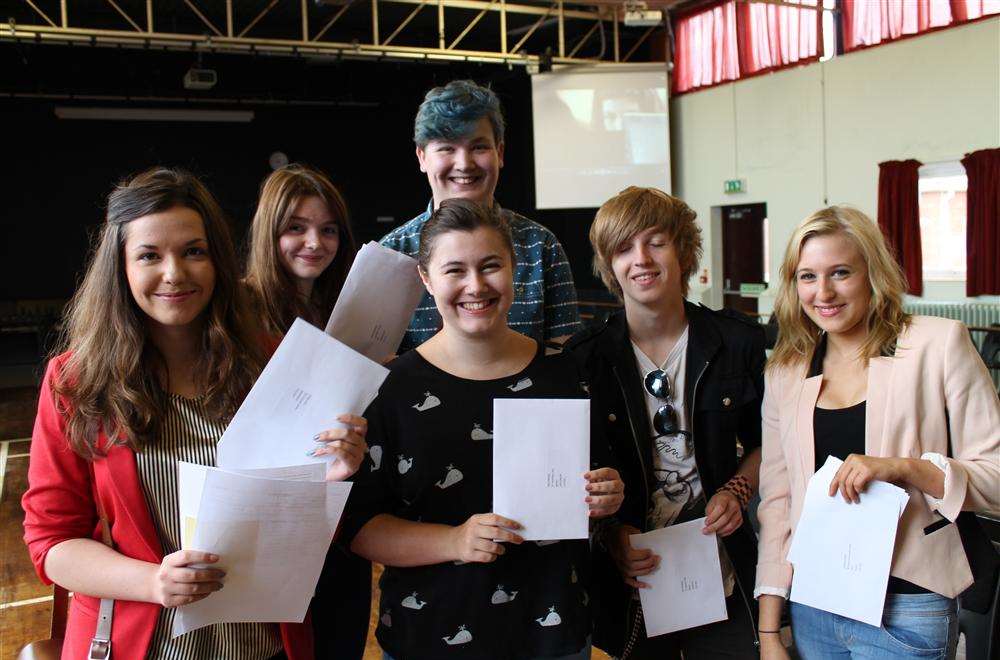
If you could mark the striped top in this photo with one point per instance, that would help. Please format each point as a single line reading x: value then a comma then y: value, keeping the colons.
x: 544, y: 294
x: 187, y: 434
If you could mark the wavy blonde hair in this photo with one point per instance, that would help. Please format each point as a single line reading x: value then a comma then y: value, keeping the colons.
x: 886, y: 320
x: 275, y: 293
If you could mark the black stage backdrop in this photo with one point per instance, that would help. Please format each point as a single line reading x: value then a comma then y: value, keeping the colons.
x: 352, y: 119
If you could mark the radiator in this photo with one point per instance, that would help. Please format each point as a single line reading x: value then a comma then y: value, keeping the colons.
x: 972, y: 314
x: 978, y: 314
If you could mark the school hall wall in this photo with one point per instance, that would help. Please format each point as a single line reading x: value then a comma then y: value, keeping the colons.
x: 811, y: 136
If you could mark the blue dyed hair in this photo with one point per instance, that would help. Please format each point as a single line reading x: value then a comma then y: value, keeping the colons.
x: 452, y: 112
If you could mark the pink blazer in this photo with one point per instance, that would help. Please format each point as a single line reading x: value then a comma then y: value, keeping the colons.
x: 59, y: 505
x: 935, y: 384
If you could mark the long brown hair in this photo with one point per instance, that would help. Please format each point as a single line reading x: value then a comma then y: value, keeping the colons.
x: 886, y: 320
x: 276, y: 295
x: 109, y: 381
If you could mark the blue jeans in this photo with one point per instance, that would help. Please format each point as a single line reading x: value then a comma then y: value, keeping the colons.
x: 913, y: 626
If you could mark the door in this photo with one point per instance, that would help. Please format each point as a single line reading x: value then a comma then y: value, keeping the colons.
x: 743, y: 260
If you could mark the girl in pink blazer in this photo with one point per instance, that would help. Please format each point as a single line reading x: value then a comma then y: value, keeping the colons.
x: 900, y: 399
x: 158, y: 353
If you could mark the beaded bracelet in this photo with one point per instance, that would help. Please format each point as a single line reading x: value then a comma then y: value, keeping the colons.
x: 740, y: 488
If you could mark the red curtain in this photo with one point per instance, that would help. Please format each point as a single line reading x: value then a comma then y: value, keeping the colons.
x: 982, y: 228
x: 970, y: 10
x: 899, y: 217
x: 705, y: 48
x: 869, y: 22
x: 773, y: 36
x: 730, y: 40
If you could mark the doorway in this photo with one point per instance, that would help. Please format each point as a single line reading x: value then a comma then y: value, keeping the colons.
x: 744, y: 245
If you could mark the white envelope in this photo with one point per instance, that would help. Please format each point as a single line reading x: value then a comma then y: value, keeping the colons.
x: 541, y: 449
x: 842, y: 552
x: 311, y: 379
x: 376, y: 302
x: 686, y: 589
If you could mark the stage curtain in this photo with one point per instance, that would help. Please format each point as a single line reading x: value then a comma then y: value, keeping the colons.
x: 970, y: 10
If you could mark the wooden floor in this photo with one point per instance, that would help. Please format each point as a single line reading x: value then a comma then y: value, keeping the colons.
x: 25, y: 603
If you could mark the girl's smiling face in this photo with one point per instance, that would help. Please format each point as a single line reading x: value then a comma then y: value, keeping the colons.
x: 167, y: 265
x: 831, y: 280
x: 470, y: 276
x: 309, y: 242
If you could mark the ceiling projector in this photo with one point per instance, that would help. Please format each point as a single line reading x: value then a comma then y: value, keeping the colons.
x: 200, y: 79
x: 643, y: 17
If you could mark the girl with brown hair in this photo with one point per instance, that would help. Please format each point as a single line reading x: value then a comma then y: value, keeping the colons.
x: 456, y: 574
x: 157, y: 354
x: 301, y: 249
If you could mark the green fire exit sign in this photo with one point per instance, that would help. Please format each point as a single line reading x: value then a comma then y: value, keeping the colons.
x: 731, y: 186
x: 752, y: 288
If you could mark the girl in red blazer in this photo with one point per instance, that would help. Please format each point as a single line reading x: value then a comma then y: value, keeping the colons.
x: 157, y: 355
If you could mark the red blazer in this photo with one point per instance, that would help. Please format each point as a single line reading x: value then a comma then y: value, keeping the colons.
x: 59, y: 505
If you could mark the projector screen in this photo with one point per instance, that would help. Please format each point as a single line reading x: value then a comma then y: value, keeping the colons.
x: 598, y: 131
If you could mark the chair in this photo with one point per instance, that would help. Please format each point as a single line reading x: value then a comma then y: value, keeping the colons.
x: 982, y: 631
x: 991, y: 348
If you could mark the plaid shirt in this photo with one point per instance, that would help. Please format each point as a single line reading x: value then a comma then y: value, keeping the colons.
x: 544, y: 295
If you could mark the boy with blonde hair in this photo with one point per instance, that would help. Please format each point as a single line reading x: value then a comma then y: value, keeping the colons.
x: 677, y: 388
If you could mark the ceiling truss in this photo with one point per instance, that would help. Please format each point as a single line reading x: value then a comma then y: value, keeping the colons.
x: 241, y: 31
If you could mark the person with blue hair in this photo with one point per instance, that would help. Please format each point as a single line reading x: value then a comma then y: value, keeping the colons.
x: 459, y: 137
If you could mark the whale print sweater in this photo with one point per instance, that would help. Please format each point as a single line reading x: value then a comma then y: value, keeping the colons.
x: 430, y: 460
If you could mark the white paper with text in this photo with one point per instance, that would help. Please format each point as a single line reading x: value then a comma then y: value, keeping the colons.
x: 272, y: 536
x: 376, y: 302
x: 842, y: 552
x: 310, y: 380
x: 686, y: 588
x: 541, y: 450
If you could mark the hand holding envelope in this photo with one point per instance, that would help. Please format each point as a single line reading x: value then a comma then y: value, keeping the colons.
x: 686, y: 589
x: 541, y: 450
x: 310, y: 380
x: 842, y: 551
x: 270, y: 528
x: 345, y: 445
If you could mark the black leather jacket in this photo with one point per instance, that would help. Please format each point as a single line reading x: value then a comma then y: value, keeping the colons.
x: 724, y: 387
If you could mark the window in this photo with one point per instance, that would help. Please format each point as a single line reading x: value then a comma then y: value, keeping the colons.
x: 942, y: 188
